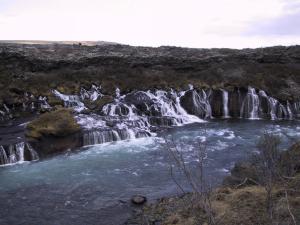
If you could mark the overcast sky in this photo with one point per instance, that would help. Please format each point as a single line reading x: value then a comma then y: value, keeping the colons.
x: 187, y: 23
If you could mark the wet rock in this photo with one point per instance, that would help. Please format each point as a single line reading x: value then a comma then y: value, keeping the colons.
x: 137, y: 98
x: 193, y: 104
x: 235, y: 101
x: 264, y: 107
x: 138, y: 199
x: 162, y: 121
x: 216, y: 101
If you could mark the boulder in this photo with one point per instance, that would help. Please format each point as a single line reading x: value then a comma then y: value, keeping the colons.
x: 138, y: 199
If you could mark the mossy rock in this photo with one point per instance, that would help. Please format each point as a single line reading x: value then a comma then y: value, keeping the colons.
x: 59, y: 123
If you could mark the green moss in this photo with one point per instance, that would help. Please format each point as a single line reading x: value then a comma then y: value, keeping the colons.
x: 57, y: 123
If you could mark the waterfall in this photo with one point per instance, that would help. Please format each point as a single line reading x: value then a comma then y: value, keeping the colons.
x: 250, y: 105
x: 196, y: 103
x: 16, y: 153
x: 225, y: 103
x: 273, y: 103
x: 140, y: 113
x: 76, y: 101
x: 100, y: 137
x: 33, y: 154
x: 289, y: 111
x: 296, y: 108
x: 70, y: 101
x: 93, y: 94
x: 3, y: 156
x: 12, y: 154
x: 118, y: 95
x: 160, y: 103
x: 20, y: 151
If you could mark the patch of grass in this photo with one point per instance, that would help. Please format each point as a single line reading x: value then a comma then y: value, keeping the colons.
x: 57, y: 123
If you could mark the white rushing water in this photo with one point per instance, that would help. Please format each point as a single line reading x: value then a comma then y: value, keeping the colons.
x: 250, y: 105
x: 225, y: 103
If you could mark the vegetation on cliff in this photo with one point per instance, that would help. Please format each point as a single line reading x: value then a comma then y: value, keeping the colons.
x: 58, y: 123
x: 39, y: 68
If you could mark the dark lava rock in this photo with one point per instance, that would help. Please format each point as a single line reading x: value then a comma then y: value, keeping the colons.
x: 138, y: 199
x: 192, y: 104
x: 216, y: 101
x: 235, y: 101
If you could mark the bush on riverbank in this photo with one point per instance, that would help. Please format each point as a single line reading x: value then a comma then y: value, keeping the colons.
x: 58, y: 123
x: 243, y: 200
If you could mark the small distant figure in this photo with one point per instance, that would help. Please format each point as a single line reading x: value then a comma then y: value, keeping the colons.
x: 79, y: 43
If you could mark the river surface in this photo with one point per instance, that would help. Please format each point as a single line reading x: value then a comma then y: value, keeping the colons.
x: 94, y: 184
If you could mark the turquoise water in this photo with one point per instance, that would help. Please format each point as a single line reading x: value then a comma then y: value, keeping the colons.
x: 93, y: 185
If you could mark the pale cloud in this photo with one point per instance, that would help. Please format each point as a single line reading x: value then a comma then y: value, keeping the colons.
x: 286, y: 23
x: 192, y: 23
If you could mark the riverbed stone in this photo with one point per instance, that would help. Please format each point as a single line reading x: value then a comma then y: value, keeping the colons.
x: 138, y: 200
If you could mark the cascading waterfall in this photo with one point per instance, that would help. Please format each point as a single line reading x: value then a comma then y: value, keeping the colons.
x: 20, y: 151
x: 225, y: 103
x: 296, y: 109
x: 250, y: 105
x: 137, y: 114
x: 12, y: 155
x: 201, y: 101
x: 3, y: 156
x: 289, y: 111
x: 124, y: 119
x: 17, y: 153
x: 272, y: 104
x: 33, y: 154
x: 75, y: 101
x: 70, y: 101
x: 142, y: 113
